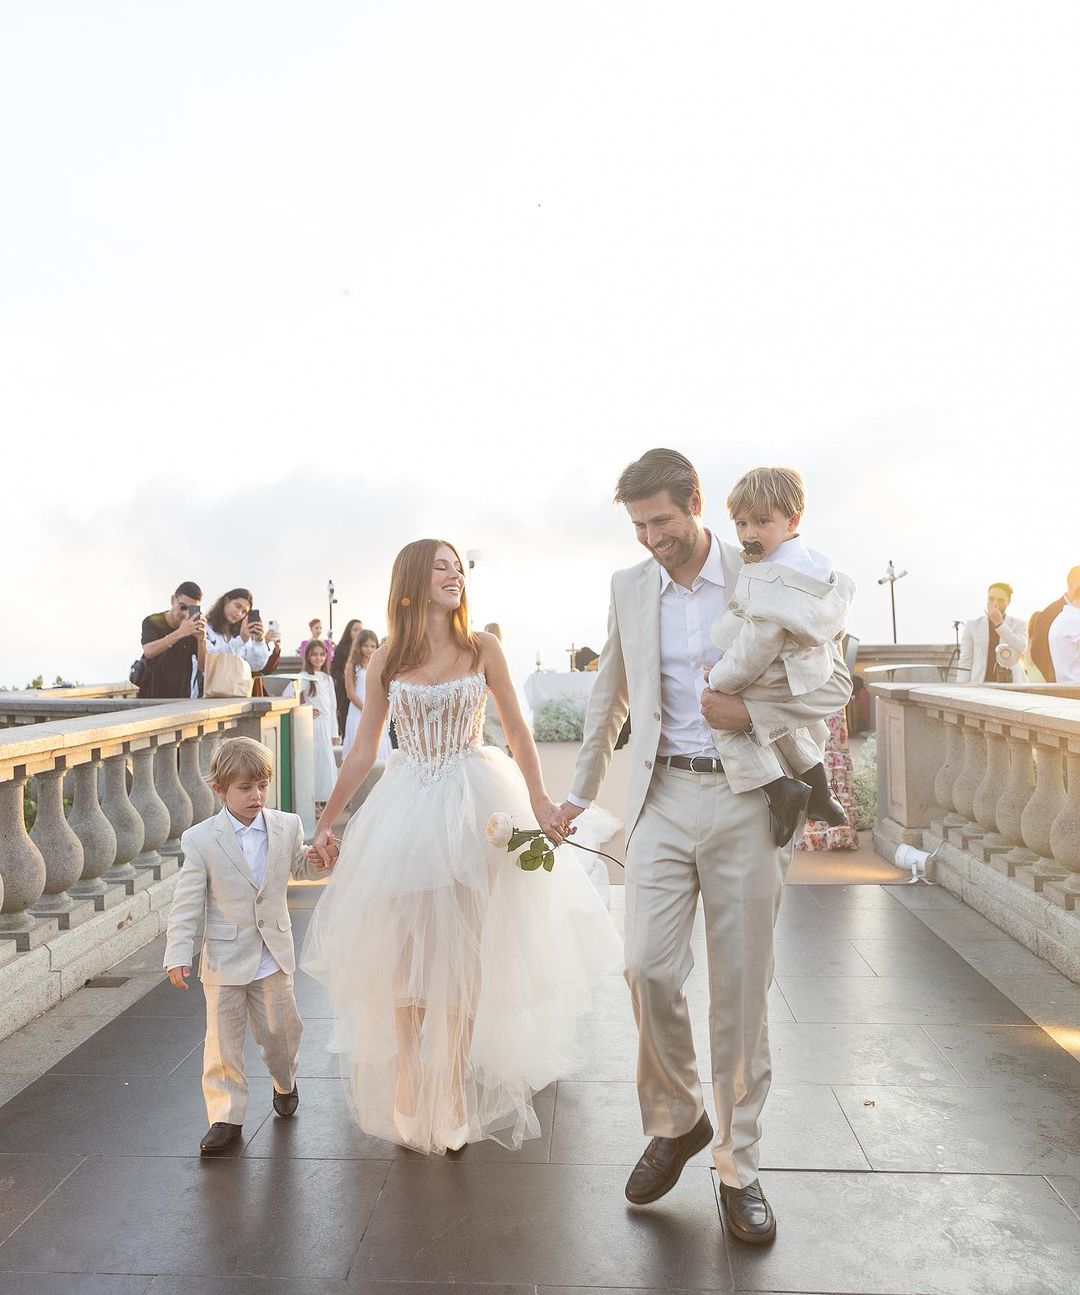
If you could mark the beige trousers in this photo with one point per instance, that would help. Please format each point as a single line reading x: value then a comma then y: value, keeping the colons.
x: 697, y: 837
x: 270, y: 1006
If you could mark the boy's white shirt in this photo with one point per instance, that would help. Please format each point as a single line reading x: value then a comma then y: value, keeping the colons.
x: 253, y: 842
x: 788, y: 610
x: 242, y: 914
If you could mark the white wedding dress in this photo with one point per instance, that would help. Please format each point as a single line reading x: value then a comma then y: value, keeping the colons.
x: 457, y: 981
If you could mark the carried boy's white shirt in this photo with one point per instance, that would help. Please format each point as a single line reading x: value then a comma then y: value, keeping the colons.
x: 788, y: 609
x: 246, y: 908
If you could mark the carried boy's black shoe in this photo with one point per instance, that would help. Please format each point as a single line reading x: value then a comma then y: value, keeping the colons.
x: 787, y: 799
x: 219, y: 1138
x: 286, y: 1103
x: 822, y: 806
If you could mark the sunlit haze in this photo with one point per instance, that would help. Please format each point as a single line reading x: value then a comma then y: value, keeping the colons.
x: 285, y: 287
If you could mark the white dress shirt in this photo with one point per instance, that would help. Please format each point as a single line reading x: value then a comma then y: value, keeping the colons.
x: 254, y: 653
x: 255, y: 848
x: 687, y: 653
x: 1064, y: 642
x: 795, y: 554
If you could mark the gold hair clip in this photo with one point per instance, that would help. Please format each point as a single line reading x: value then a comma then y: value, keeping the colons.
x: 406, y: 601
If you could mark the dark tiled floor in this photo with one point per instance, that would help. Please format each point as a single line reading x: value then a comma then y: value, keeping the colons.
x: 922, y: 1138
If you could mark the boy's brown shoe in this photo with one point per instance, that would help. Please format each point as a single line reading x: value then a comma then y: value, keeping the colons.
x: 286, y: 1103
x: 219, y: 1138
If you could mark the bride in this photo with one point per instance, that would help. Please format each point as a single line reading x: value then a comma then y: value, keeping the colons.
x: 457, y: 980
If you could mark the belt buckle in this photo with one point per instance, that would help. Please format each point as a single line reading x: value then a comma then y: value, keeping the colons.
x: 693, y: 764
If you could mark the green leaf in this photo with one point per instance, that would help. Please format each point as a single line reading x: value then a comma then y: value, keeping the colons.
x: 519, y: 839
x: 529, y: 862
x: 548, y: 860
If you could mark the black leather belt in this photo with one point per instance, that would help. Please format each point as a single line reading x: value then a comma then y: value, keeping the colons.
x: 694, y: 763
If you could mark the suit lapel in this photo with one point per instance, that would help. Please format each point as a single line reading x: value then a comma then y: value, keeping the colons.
x: 228, y: 842
x: 649, y: 623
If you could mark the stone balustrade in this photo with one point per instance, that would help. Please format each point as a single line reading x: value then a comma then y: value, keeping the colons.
x: 990, y: 778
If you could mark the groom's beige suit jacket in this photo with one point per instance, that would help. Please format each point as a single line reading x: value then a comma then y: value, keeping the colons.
x: 628, y: 681
x: 216, y: 881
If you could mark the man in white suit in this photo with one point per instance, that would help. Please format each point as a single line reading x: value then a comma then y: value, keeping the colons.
x: 689, y: 835
x: 236, y: 874
x: 978, y: 646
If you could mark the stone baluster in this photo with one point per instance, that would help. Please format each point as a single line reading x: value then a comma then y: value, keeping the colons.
x: 209, y: 745
x: 990, y: 790
x: 175, y: 798
x: 966, y: 785
x: 63, y: 854
x: 1041, y: 811
x: 126, y: 824
x: 151, y: 809
x: 948, y: 772
x: 1011, y: 806
x: 199, y: 793
x: 23, y: 871
x: 95, y: 833
x: 1065, y: 840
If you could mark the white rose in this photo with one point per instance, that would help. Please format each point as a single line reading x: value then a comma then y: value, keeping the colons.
x: 500, y: 829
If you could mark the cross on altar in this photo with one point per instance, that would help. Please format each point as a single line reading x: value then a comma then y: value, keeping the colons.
x: 572, y: 649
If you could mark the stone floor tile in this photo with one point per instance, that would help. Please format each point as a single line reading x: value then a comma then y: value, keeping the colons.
x: 993, y: 958
x: 72, y: 1284
x: 11, y: 1085
x: 900, y: 1000
x: 923, y: 896
x: 803, y: 1128
x: 273, y: 1218
x: 132, y: 1046
x: 43, y: 1043
x: 1047, y: 1000
x: 920, y: 957
x: 165, y: 1000
x: 110, y: 1115
x: 893, y: 922
x: 555, y: 1225
x: 1068, y: 1188
x: 834, y: 898
x: 26, y: 1181
x: 1065, y: 1037
x: 857, y: 1054
x: 323, y: 1129
x: 954, y: 1234
x: 962, y: 925
x: 963, y: 1130
x: 1007, y: 1055
x: 816, y: 957
x: 312, y: 999
x: 263, y: 1286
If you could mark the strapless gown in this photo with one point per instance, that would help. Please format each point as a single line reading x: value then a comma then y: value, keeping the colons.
x: 457, y: 981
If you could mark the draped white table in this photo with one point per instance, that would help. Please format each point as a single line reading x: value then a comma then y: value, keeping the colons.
x: 545, y: 685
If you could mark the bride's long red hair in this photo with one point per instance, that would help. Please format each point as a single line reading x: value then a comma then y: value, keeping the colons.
x: 407, y: 610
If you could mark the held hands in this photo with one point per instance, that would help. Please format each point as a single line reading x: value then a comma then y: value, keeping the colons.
x: 323, y: 851
x: 724, y: 710
x: 178, y: 977
x: 550, y: 820
x: 567, y: 812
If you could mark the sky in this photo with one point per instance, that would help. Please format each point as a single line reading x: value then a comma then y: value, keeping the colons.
x: 284, y: 287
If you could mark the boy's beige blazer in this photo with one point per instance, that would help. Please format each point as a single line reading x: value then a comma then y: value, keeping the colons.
x: 628, y: 681
x: 216, y: 882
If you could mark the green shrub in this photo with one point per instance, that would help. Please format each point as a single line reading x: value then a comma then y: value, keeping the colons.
x: 560, y: 720
x: 864, y: 779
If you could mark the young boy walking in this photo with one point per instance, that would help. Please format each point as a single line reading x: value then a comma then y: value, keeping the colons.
x: 236, y: 873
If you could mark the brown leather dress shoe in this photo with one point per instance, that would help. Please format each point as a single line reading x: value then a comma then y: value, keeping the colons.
x: 747, y: 1214
x: 658, y: 1170
x: 286, y: 1103
x: 219, y: 1138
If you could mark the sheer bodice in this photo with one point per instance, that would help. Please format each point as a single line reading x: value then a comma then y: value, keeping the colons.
x: 438, y: 724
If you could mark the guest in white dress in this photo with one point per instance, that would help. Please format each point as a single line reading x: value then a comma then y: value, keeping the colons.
x: 228, y: 629
x: 363, y: 650
x: 458, y: 982
x: 316, y: 689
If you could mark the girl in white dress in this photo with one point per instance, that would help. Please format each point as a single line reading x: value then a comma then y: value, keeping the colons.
x: 457, y: 980
x: 316, y: 689
x: 363, y: 650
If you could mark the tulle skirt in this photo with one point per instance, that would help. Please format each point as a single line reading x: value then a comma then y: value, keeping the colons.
x: 457, y: 981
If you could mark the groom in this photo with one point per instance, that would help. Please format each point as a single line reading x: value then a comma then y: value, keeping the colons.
x: 688, y: 835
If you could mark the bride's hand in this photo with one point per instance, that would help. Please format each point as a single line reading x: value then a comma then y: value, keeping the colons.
x: 323, y: 852
x: 549, y: 819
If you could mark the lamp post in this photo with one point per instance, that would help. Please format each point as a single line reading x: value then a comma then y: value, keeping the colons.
x: 331, y: 600
x: 890, y: 578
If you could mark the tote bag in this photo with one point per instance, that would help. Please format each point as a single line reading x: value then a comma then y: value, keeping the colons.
x: 226, y: 676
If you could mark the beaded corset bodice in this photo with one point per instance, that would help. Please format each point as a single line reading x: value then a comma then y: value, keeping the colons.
x: 438, y: 724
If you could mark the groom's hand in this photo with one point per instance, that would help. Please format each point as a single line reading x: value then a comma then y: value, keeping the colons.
x: 567, y: 812
x: 724, y: 710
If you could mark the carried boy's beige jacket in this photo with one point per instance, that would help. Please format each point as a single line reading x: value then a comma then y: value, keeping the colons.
x: 215, y: 881
x: 783, y: 626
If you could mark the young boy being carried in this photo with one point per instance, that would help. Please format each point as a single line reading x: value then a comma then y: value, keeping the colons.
x: 236, y: 873
x: 790, y: 607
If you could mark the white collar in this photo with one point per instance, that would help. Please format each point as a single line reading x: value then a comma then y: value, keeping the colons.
x: 796, y: 554
x: 258, y: 823
x: 712, y: 570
